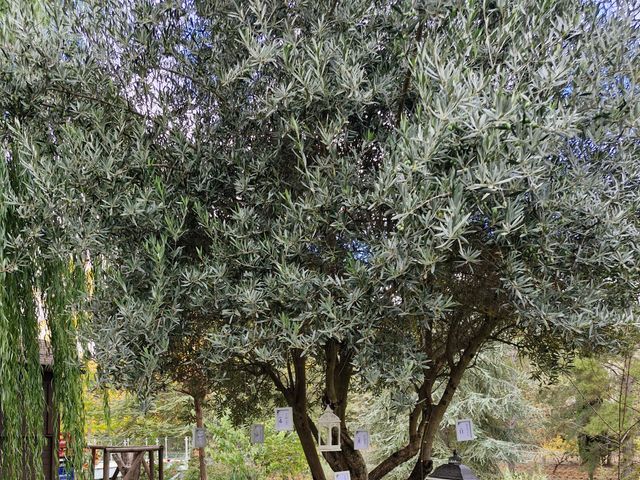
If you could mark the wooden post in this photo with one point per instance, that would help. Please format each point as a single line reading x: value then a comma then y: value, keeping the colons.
x: 161, y: 463
x: 94, y: 455
x: 151, y: 472
x: 105, y: 464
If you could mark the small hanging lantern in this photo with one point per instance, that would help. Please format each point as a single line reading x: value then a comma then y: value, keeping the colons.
x: 329, y: 432
x: 454, y: 470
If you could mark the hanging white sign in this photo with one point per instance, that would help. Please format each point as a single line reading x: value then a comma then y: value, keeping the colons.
x: 257, y: 433
x: 361, y: 439
x: 199, y: 437
x: 284, y: 419
x: 464, y: 430
x: 343, y: 476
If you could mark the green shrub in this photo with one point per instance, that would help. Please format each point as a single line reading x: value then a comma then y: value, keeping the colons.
x: 281, y: 456
x: 230, y: 455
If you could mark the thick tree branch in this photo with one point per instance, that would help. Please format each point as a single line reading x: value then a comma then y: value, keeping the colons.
x: 300, y: 369
x: 395, y: 459
x: 277, y: 381
x: 331, y: 354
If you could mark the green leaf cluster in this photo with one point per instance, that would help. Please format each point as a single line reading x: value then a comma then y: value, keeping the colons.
x: 359, y: 193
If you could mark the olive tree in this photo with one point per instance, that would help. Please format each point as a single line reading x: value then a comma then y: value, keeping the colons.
x: 352, y: 195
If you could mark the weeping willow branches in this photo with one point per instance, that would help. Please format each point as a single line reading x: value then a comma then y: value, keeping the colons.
x: 39, y: 297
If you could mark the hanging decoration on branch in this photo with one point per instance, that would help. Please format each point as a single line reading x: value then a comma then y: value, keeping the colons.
x: 329, y: 432
x: 361, y: 439
x: 257, y: 433
x: 464, y: 430
x: 284, y: 419
x: 199, y: 437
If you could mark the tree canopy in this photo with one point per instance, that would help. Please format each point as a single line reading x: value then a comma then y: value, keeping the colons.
x: 42, y: 282
x: 350, y: 195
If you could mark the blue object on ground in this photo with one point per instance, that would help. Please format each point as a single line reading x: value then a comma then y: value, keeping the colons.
x: 63, y: 474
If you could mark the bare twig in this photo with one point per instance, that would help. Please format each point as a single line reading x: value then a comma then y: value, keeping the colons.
x: 591, y: 406
x: 407, y: 77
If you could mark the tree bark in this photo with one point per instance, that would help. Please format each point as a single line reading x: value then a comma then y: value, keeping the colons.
x: 296, y: 395
x: 197, y: 402
x: 348, y: 459
x: 435, y: 414
x: 307, y: 441
x: 628, y: 470
x: 392, y: 461
x: 338, y: 373
x: 297, y: 399
x: 424, y: 464
x: 626, y: 447
x: 417, y: 424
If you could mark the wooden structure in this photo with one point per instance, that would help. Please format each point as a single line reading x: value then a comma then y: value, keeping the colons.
x: 130, y: 461
x: 50, y: 417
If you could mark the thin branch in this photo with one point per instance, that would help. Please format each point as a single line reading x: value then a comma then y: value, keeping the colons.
x: 277, y: 381
x: 506, y: 342
x: 407, y: 78
x: 588, y: 403
x: 95, y: 99
x: 332, y: 10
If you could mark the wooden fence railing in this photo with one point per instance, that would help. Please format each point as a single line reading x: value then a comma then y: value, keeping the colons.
x: 130, y: 460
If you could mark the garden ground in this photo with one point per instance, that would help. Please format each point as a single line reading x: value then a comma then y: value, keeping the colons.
x: 570, y: 471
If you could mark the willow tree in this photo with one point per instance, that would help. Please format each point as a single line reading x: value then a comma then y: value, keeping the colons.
x: 40, y: 285
x: 352, y: 195
x: 39, y: 294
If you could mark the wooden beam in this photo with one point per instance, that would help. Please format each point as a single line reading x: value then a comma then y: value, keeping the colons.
x: 150, y: 448
x: 94, y: 458
x: 150, y: 472
x: 105, y: 463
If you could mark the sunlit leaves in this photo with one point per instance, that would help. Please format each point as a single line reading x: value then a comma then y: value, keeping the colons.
x: 391, y: 179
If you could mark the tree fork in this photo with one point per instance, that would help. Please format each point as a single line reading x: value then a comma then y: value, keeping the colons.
x: 424, y: 464
x: 303, y: 425
x: 295, y: 395
x: 348, y: 459
x: 394, y: 460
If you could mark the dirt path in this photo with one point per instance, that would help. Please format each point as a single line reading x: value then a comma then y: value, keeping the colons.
x: 574, y: 472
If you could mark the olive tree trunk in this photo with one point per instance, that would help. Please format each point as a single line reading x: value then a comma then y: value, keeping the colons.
x: 197, y: 402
